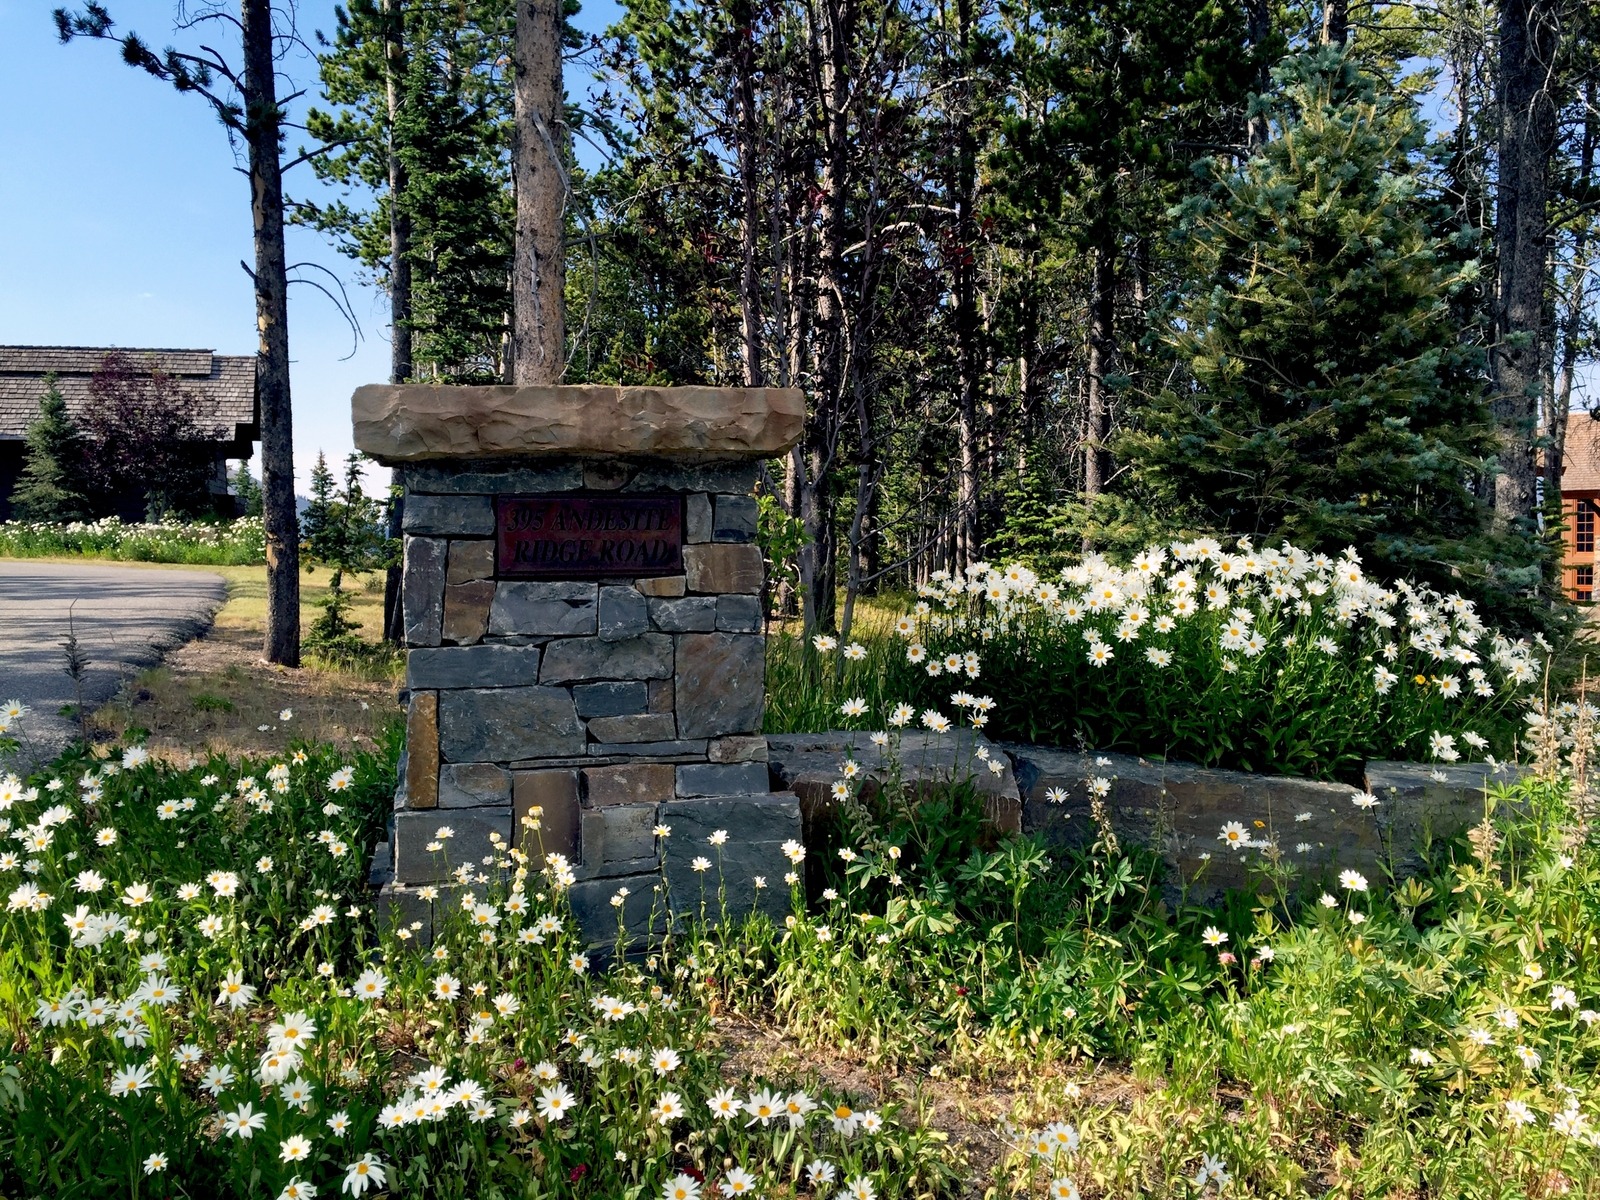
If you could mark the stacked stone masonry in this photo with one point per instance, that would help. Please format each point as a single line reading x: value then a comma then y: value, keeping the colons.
x: 612, y: 705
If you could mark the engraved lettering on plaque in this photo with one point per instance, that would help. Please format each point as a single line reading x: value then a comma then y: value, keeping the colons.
x: 578, y: 537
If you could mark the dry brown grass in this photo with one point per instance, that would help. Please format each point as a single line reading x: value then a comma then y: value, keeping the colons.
x: 971, y: 1106
x: 216, y: 694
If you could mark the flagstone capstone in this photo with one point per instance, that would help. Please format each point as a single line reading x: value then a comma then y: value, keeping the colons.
x: 582, y: 605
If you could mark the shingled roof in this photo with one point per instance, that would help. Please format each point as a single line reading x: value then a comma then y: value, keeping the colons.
x: 224, y: 385
x: 1580, y: 468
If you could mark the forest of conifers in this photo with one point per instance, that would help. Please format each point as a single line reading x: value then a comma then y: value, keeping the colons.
x: 1052, y: 275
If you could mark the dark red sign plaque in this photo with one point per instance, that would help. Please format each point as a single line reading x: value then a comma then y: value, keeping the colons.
x: 583, y: 537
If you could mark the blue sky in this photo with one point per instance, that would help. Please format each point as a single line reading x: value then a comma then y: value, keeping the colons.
x: 123, y: 220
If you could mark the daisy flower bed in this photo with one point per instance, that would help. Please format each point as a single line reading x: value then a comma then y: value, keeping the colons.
x: 200, y: 998
x: 1275, y: 661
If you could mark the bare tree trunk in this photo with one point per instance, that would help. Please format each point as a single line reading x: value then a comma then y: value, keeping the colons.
x: 1102, y: 298
x: 1335, y: 22
x: 966, y: 316
x: 399, y: 219
x: 1528, y: 39
x: 834, y: 33
x: 538, y: 328
x: 400, y: 368
x: 1571, y: 322
x: 1258, y: 20
x: 749, y: 184
x: 263, y: 128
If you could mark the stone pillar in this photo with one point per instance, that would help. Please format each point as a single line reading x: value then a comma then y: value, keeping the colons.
x: 582, y: 606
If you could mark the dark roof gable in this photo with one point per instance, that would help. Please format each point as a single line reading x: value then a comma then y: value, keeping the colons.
x: 224, y: 384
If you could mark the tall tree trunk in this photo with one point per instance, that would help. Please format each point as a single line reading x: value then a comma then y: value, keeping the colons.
x: 394, y: 63
x: 1335, y: 22
x: 538, y: 327
x: 966, y: 300
x: 263, y: 128
x: 834, y: 34
x: 749, y: 184
x: 1258, y: 20
x: 1571, y: 321
x: 1097, y: 409
x: 400, y: 368
x: 1528, y: 39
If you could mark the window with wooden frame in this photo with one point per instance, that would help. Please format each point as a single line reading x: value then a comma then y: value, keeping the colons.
x: 1583, y: 528
x: 1583, y: 584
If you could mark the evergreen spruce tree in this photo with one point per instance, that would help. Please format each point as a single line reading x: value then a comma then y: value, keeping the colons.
x: 51, y: 487
x: 246, y: 490
x: 318, y: 524
x: 1328, y: 364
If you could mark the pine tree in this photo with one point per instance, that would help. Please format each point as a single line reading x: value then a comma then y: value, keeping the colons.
x: 51, y: 487
x: 318, y: 524
x: 1328, y: 370
x: 246, y: 490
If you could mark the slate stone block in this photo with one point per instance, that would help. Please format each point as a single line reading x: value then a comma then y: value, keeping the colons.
x: 681, y: 748
x: 596, y: 918
x: 470, y: 561
x: 721, y: 683
x: 618, y: 833
x: 720, y: 567
x: 470, y: 841
x: 739, y: 614
x: 737, y: 477
x: 641, y: 727
x: 752, y: 748
x: 422, y: 590
x: 808, y: 764
x: 473, y: 667
x: 504, y: 724
x: 697, y: 518
x: 557, y: 609
x: 566, y: 476
x: 758, y: 817
x: 735, y: 519
x: 606, y: 475
x: 721, y: 779
x: 474, y: 785
x: 574, y: 660
x: 690, y: 614
x: 422, y: 750
x: 631, y: 783
x: 662, y: 585
x: 1418, y: 802
x: 555, y: 794
x: 1179, y: 809
x: 663, y: 694
x: 466, y: 611
x: 623, y: 613
x: 757, y: 827
x: 449, y: 516
x: 617, y: 699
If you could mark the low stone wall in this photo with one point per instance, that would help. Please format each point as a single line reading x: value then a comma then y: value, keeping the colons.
x: 808, y: 764
x: 1177, y: 808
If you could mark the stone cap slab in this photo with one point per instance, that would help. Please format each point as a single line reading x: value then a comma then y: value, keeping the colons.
x: 404, y: 423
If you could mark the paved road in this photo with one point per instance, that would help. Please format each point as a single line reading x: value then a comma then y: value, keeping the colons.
x: 126, y: 618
